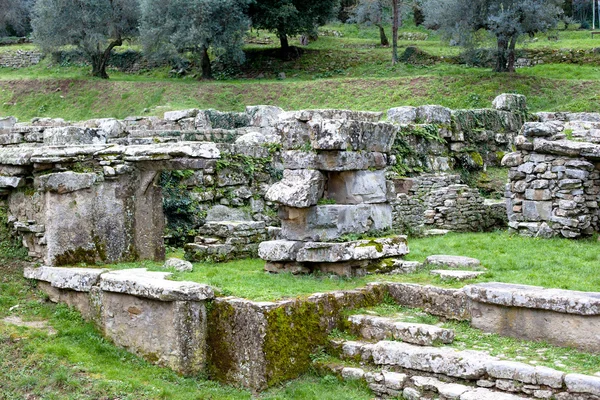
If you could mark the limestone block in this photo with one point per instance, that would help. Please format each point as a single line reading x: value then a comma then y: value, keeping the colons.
x: 279, y: 250
x: 541, y: 129
x: 78, y: 279
x: 226, y: 229
x: 11, y: 182
x: 180, y: 114
x: 299, y: 188
x: 319, y: 252
x: 294, y: 134
x: 71, y: 135
x: 349, y: 373
x: 402, y: 115
x: 111, y: 127
x: 443, y: 360
x: 153, y: 285
x: 311, y: 115
x: 510, y: 102
x: 566, y: 148
x: 512, y: 159
x: 456, y: 275
x: 263, y: 115
x: 537, y: 210
x: 258, y: 138
x: 168, y: 150
x: 382, y: 328
x: 578, y: 383
x: 65, y: 182
x: 7, y: 122
x: 481, y: 393
x: 432, y: 114
x: 454, y: 262
x: 291, y: 267
x: 329, y: 222
x: 357, y: 187
x: 178, y: 264
x: 334, y: 160
x: 352, y: 135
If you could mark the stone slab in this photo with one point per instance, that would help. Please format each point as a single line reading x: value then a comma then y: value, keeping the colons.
x: 536, y: 297
x: 454, y: 262
x: 381, y: 328
x: 299, y: 188
x: 357, y: 187
x: 334, y: 160
x: 78, y: 279
x: 319, y: 252
x: 153, y: 285
x: 65, y: 182
x: 351, y: 135
x: 279, y: 250
x: 456, y: 274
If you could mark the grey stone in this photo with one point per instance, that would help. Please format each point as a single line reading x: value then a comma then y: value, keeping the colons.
x: 153, y: 285
x: 432, y: 114
x: 180, y: 114
x: 382, y: 328
x: 179, y: 265
x: 111, y: 127
x: 279, y: 250
x: 349, y: 373
x: 299, y: 188
x: 445, y: 361
x: 481, y: 393
x: 578, y: 383
x: 263, y: 115
x: 537, y: 210
x: 65, y: 182
x: 224, y: 213
x: 329, y: 222
x: 7, y: 122
x: 454, y: 262
x: 541, y: 129
x: 357, y: 187
x: 411, y: 394
x: 258, y: 138
x: 510, y: 102
x: 71, y: 135
x: 402, y: 115
x: 456, y: 275
x: 78, y: 279
x: 348, y: 251
x: 351, y: 135
x: 168, y: 150
x: 312, y: 115
x: 334, y: 160
x: 512, y: 160
x: 11, y: 182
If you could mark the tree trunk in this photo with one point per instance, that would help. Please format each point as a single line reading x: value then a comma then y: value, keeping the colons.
x: 395, y: 24
x: 501, y: 59
x: 382, y: 37
x: 205, y: 64
x: 510, y: 67
x: 285, y: 45
x: 100, y: 60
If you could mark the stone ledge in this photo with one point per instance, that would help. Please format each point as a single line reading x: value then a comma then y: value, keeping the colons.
x: 153, y: 285
x: 512, y: 295
x: 78, y: 279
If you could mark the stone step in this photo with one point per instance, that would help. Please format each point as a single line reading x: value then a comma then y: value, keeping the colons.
x: 457, y: 275
x: 381, y: 328
x: 389, y: 384
x: 473, y: 368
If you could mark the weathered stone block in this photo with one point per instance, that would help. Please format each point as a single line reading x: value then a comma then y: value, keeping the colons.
x: 357, y: 187
x: 329, y: 222
x: 71, y: 135
x: 334, y: 160
x: 352, y: 135
x: 65, y: 182
x: 299, y: 188
x: 402, y: 115
x: 537, y: 210
x: 319, y: 252
x: 279, y: 250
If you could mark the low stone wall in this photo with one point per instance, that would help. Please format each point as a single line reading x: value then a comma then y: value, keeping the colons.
x: 20, y: 58
x: 163, y: 321
x: 441, y: 202
x: 258, y: 344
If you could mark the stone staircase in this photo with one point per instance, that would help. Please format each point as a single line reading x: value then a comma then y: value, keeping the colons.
x: 409, y: 360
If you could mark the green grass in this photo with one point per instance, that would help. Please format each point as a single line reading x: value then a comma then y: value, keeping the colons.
x: 468, y: 338
x: 77, y: 363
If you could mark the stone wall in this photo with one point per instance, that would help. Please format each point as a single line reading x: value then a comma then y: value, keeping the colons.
x: 554, y: 180
x: 20, y: 58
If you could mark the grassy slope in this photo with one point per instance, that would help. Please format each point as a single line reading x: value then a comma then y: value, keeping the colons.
x: 347, y: 72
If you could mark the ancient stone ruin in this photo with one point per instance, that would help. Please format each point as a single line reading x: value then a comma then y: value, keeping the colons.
x: 554, y: 178
x: 333, y: 186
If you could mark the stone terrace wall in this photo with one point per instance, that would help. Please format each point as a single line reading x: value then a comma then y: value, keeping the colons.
x: 20, y: 58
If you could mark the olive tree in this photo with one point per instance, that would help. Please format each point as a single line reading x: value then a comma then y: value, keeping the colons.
x: 194, y: 28
x: 95, y: 27
x: 373, y: 12
x: 506, y: 20
x: 292, y: 17
x: 15, y: 17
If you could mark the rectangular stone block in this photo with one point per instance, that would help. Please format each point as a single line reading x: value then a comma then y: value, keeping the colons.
x: 537, y: 210
x: 352, y: 135
x: 329, y: 222
x: 334, y: 160
x: 357, y: 187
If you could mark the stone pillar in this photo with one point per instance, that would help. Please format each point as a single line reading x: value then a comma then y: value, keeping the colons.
x: 333, y: 189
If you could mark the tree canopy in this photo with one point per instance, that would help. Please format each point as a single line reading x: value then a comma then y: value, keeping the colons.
x: 15, y: 17
x: 93, y: 26
x: 292, y: 17
x: 174, y: 28
x: 507, y: 20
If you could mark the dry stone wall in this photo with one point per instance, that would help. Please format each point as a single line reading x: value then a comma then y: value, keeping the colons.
x: 20, y: 58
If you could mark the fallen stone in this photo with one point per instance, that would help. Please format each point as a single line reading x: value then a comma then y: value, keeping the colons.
x: 78, y: 279
x: 454, y: 262
x: 456, y: 275
x: 178, y: 265
x: 436, y: 232
x: 153, y: 285
x: 298, y: 188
